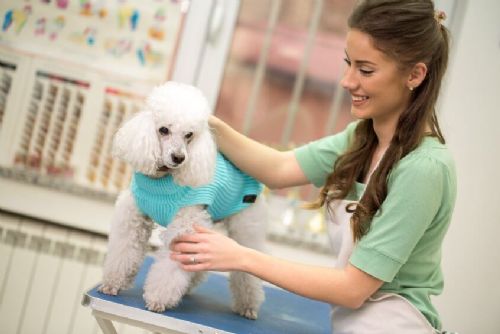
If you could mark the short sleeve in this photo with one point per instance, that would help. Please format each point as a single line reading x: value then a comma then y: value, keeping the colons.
x: 415, y: 192
x: 317, y: 158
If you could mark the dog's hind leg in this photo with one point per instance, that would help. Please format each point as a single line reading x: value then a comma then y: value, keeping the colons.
x: 127, y: 243
x: 248, y: 228
x: 166, y: 282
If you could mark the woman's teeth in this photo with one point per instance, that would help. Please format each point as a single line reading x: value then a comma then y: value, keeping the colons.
x: 359, y: 98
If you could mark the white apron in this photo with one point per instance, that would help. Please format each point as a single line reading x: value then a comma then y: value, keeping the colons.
x: 383, y: 312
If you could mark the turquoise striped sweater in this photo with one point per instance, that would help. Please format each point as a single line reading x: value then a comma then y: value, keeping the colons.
x: 230, y: 191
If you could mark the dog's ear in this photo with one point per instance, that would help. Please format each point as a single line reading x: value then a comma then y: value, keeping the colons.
x: 136, y: 142
x: 199, y: 168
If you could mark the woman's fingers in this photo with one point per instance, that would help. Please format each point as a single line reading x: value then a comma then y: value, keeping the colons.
x: 193, y: 237
x: 185, y: 247
x: 204, y: 250
x: 203, y: 266
x: 191, y: 262
x: 202, y: 229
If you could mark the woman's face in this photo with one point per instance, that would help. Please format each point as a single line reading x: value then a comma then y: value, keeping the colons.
x: 378, y: 88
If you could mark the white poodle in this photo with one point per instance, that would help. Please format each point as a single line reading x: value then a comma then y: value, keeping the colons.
x: 180, y: 179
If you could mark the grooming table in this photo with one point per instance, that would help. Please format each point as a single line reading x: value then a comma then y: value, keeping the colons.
x: 208, y: 310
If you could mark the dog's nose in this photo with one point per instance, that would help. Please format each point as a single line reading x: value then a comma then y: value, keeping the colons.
x: 178, y: 158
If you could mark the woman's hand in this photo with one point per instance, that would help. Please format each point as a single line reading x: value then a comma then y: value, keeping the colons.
x: 213, y: 120
x: 207, y: 250
x: 214, y: 123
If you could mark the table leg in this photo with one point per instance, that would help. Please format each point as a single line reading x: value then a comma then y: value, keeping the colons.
x: 105, y: 325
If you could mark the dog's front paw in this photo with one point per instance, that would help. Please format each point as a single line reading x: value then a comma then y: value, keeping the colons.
x: 109, y: 289
x: 247, y: 312
x: 156, y: 304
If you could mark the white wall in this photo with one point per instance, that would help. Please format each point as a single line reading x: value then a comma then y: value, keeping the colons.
x: 470, y: 117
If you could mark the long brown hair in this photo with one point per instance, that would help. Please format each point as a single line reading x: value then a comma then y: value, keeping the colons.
x: 408, y: 31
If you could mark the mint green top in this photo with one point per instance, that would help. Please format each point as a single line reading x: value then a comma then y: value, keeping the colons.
x: 403, y: 245
x: 230, y: 191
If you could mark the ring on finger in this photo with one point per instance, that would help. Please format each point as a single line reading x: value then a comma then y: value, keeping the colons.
x: 193, y: 259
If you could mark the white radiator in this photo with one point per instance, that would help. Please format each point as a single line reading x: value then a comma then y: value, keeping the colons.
x: 44, y: 270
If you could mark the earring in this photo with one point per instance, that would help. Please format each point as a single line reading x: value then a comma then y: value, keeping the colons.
x: 411, y: 88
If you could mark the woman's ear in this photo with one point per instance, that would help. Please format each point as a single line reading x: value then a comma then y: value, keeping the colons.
x: 137, y: 143
x: 199, y: 168
x: 416, y: 76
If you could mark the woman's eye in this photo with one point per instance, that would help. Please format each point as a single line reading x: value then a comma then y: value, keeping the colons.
x: 164, y: 131
x: 366, y: 72
x: 189, y: 135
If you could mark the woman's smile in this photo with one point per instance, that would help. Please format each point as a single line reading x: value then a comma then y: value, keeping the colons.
x: 359, y: 100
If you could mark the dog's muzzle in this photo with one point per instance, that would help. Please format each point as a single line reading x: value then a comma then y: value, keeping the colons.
x: 163, y: 169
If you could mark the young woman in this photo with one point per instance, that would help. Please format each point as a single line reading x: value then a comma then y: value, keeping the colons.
x: 387, y: 180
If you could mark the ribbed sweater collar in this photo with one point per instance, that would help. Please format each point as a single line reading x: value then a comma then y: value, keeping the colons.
x: 160, y: 186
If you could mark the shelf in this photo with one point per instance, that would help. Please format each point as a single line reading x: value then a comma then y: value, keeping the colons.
x: 70, y: 209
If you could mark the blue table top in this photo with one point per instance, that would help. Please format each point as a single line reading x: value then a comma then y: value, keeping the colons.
x: 210, y: 305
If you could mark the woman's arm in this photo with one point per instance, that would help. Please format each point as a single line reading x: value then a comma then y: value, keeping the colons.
x: 348, y: 287
x: 274, y: 168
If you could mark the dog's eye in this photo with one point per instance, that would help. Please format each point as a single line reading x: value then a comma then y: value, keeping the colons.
x: 164, y: 131
x: 189, y: 135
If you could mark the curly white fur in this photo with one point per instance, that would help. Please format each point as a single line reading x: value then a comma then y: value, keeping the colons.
x: 172, y: 136
x: 182, y: 109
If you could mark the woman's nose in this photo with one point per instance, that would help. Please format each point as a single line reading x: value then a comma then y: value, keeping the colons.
x: 348, y: 80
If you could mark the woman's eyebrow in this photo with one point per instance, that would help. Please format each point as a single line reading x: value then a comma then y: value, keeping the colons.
x: 360, y: 62
x: 364, y: 62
